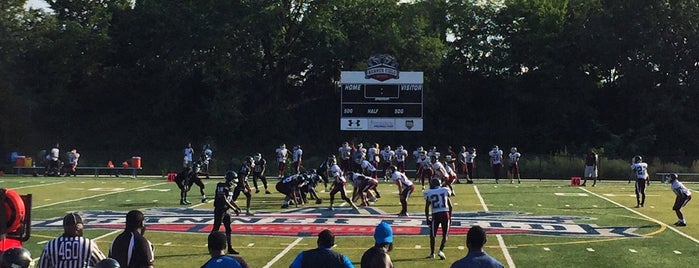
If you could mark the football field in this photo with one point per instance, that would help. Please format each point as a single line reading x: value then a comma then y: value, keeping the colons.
x: 533, y: 224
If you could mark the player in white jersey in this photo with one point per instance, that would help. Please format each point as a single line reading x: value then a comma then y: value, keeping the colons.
x: 369, y: 169
x: 387, y: 156
x: 496, y: 162
x: 682, y: 197
x: 405, y: 188
x: 362, y: 188
x: 282, y: 154
x: 401, y: 157
x: 437, y: 199
x: 345, y: 156
x: 297, y: 158
x: 424, y: 169
x: 470, y: 164
x: 338, y: 185
x: 514, y: 165
x: 640, y: 171
x: 450, y: 179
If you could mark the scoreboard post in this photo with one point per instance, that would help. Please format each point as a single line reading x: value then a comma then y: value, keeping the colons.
x: 368, y: 104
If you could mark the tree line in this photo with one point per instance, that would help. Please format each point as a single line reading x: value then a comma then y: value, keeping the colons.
x: 544, y: 75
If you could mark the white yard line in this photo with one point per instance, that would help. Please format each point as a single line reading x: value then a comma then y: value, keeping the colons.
x: 98, y: 195
x: 281, y: 254
x: 38, y: 185
x: 642, y: 215
x: 501, y: 242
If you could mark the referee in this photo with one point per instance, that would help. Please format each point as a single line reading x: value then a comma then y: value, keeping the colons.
x: 71, y: 250
x: 130, y: 248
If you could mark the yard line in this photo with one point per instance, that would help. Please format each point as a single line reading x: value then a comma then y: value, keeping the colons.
x: 98, y: 195
x: 105, y: 235
x: 281, y: 254
x: 501, y: 241
x: 38, y: 185
x: 643, y: 215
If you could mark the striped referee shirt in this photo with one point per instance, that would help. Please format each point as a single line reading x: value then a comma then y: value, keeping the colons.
x: 70, y: 252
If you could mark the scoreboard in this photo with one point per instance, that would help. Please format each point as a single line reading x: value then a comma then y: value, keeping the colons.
x: 371, y: 105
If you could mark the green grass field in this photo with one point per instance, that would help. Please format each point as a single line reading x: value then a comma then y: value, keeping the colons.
x: 533, y: 224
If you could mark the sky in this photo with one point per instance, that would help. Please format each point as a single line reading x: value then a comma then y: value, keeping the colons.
x: 37, y: 4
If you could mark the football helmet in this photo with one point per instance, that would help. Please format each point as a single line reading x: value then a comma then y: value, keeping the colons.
x: 108, y: 263
x: 434, y: 183
x: 674, y: 176
x: 16, y: 257
x: 513, y: 149
x: 257, y: 156
x: 231, y: 177
x: 637, y: 159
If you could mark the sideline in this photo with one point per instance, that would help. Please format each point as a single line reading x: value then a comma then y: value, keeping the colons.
x: 98, y: 195
x: 503, y: 247
x: 281, y: 254
x: 642, y: 215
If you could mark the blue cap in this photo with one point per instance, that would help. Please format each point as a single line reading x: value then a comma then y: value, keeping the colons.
x: 383, y: 233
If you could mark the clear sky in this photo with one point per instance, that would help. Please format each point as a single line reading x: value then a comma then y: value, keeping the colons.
x: 37, y: 4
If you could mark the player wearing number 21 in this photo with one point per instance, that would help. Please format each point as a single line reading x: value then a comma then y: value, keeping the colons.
x: 437, y: 198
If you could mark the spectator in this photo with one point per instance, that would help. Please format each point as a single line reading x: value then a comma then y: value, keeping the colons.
x: 323, y: 256
x: 476, y: 257
x: 377, y: 256
x: 683, y: 195
x: 130, y: 248
x: 87, y: 255
x: 188, y: 156
x: 73, y: 157
x: 591, y: 160
x: 16, y: 258
x: 219, y: 259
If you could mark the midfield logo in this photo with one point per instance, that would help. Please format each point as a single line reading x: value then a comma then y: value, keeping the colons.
x: 345, y: 221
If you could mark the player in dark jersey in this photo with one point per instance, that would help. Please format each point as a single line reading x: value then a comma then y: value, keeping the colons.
x: 258, y: 172
x: 312, y: 179
x: 184, y: 181
x: 131, y: 248
x: 84, y: 252
x: 242, y: 185
x: 223, y: 207
x: 289, y: 187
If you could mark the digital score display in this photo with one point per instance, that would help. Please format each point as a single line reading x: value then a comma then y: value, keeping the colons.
x: 367, y: 104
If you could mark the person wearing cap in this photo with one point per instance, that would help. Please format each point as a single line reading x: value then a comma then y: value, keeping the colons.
x: 682, y: 197
x: 217, y: 249
x: 496, y: 162
x: 323, y: 256
x: 476, y: 257
x: 83, y: 251
x: 130, y: 248
x: 377, y: 256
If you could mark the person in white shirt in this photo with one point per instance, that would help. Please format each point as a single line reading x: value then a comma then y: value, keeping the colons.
x: 345, y: 156
x: 437, y: 198
x: 405, y: 188
x: 297, y: 158
x: 282, y: 154
x: 514, y: 165
x: 496, y: 162
x: 188, y: 159
x: 682, y: 197
x: 401, y: 157
x: 338, y: 185
x: 640, y: 170
x: 387, y: 156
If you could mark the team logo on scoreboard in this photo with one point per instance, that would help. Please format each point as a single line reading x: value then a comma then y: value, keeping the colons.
x: 409, y: 124
x: 382, y: 67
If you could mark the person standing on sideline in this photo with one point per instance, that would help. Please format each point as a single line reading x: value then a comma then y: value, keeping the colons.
x: 298, y: 159
x: 476, y: 257
x: 405, y: 188
x: 258, y: 172
x: 514, y: 165
x: 377, y: 256
x: 496, y: 162
x: 640, y: 170
x: 323, y: 256
x: 130, y: 248
x: 470, y: 164
x: 591, y: 160
x: 282, y: 155
x: 86, y: 253
x: 73, y: 157
x: 188, y: 159
x: 216, y: 243
x: 437, y: 198
x: 682, y: 197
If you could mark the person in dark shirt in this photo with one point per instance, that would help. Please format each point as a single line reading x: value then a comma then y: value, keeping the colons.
x: 476, y: 257
x: 130, y: 248
x: 323, y: 256
x: 223, y: 206
x: 591, y: 160
x: 377, y: 256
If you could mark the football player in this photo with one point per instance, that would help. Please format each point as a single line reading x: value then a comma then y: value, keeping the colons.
x: 345, y: 156
x: 514, y: 165
x: 297, y: 158
x: 339, y: 186
x: 640, y: 170
x: 289, y: 186
x: 242, y: 186
x: 496, y: 162
x: 362, y: 188
x: 387, y: 156
x: 682, y: 197
x: 405, y: 188
x: 223, y: 205
x: 282, y: 155
x: 401, y: 157
x: 184, y: 181
x: 437, y: 199
x: 591, y: 160
x: 470, y: 164
x: 258, y: 172
x: 425, y: 169
x: 322, y: 171
x: 369, y: 169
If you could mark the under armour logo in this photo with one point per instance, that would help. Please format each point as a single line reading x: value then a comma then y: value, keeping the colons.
x: 350, y: 123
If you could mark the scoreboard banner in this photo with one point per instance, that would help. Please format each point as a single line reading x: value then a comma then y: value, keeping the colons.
x: 368, y: 104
